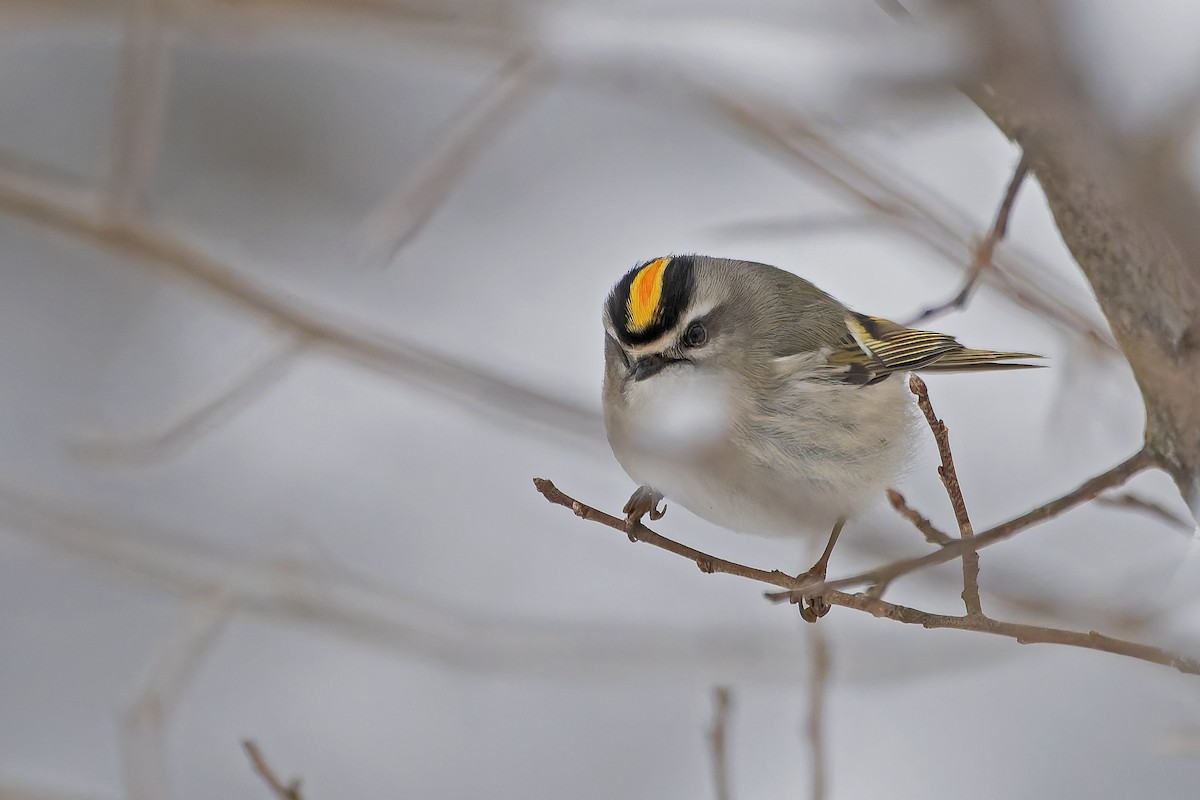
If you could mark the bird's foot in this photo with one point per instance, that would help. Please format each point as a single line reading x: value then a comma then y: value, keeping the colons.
x: 642, y: 502
x: 812, y: 608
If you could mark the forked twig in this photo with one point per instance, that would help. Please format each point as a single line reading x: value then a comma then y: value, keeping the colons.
x: 489, y: 392
x: 949, y: 476
x: 143, y: 728
x: 1089, y: 490
x: 985, y: 251
x: 880, y: 193
x: 189, y: 425
x: 794, y: 587
x: 1024, y: 634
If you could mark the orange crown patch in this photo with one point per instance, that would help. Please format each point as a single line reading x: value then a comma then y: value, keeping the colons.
x: 645, y: 293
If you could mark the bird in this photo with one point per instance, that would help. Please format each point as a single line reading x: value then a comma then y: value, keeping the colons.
x: 757, y: 401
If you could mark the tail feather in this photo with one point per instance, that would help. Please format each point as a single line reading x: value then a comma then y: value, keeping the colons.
x: 968, y: 360
x: 878, y: 347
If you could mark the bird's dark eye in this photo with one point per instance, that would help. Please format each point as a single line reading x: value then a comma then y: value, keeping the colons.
x: 696, y: 335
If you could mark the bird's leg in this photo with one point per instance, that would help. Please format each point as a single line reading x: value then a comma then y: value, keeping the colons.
x: 642, y: 502
x: 813, y: 608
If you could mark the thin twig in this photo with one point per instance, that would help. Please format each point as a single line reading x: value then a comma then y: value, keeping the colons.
x: 488, y: 392
x: 718, y: 741
x: 818, y: 685
x: 637, y: 532
x: 927, y: 220
x: 10, y: 790
x: 986, y: 249
x: 949, y: 476
x: 1023, y: 634
x: 142, y: 738
x: 795, y: 587
x: 403, y: 215
x: 1142, y: 460
x: 189, y: 425
x: 364, y: 610
x: 140, y: 109
x: 290, y: 791
x: 932, y: 534
x: 1131, y: 501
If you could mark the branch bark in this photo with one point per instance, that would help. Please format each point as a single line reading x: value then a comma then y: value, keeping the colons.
x: 1089, y: 490
x: 282, y: 791
x: 1023, y: 634
x: 984, y: 253
x: 1128, y: 220
x: 949, y: 475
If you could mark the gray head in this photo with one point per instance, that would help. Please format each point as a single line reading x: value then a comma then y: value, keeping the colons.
x: 714, y: 312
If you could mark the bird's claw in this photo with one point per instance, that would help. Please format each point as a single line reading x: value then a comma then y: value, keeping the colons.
x: 642, y: 502
x: 814, y: 607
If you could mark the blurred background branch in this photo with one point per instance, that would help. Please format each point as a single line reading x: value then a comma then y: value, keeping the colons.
x: 1131, y: 229
x: 798, y: 84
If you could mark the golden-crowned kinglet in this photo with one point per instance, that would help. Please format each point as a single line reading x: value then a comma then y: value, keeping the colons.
x: 754, y: 399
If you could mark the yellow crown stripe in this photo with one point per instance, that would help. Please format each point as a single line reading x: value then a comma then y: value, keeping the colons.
x: 645, y: 292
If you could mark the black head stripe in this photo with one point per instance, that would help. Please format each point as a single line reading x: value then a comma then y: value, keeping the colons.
x: 677, y: 286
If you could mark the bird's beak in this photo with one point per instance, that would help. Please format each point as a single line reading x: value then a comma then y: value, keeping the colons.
x: 646, y: 366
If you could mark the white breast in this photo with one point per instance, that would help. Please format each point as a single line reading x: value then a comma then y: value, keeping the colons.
x: 789, y: 463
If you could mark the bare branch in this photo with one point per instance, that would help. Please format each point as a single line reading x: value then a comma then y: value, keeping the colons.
x: 141, y: 106
x: 352, y: 606
x: 949, y: 476
x: 718, y: 741
x: 1131, y: 501
x: 935, y: 224
x: 143, y: 727
x: 403, y: 215
x: 290, y: 791
x: 986, y: 249
x: 1089, y: 490
x: 795, y: 587
x: 192, y: 423
x: 637, y: 532
x: 1132, y: 231
x: 488, y: 26
x: 807, y: 225
x: 485, y: 392
x: 1023, y: 634
x: 815, y: 729
x: 932, y: 534
x: 19, y: 791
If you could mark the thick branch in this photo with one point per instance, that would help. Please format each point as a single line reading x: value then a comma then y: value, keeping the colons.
x: 1129, y: 222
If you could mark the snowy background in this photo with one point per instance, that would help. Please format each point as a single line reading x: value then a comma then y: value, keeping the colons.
x: 349, y: 563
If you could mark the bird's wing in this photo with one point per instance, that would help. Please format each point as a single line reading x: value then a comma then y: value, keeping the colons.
x: 875, y: 348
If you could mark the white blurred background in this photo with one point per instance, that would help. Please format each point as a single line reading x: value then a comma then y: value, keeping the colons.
x: 298, y: 296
